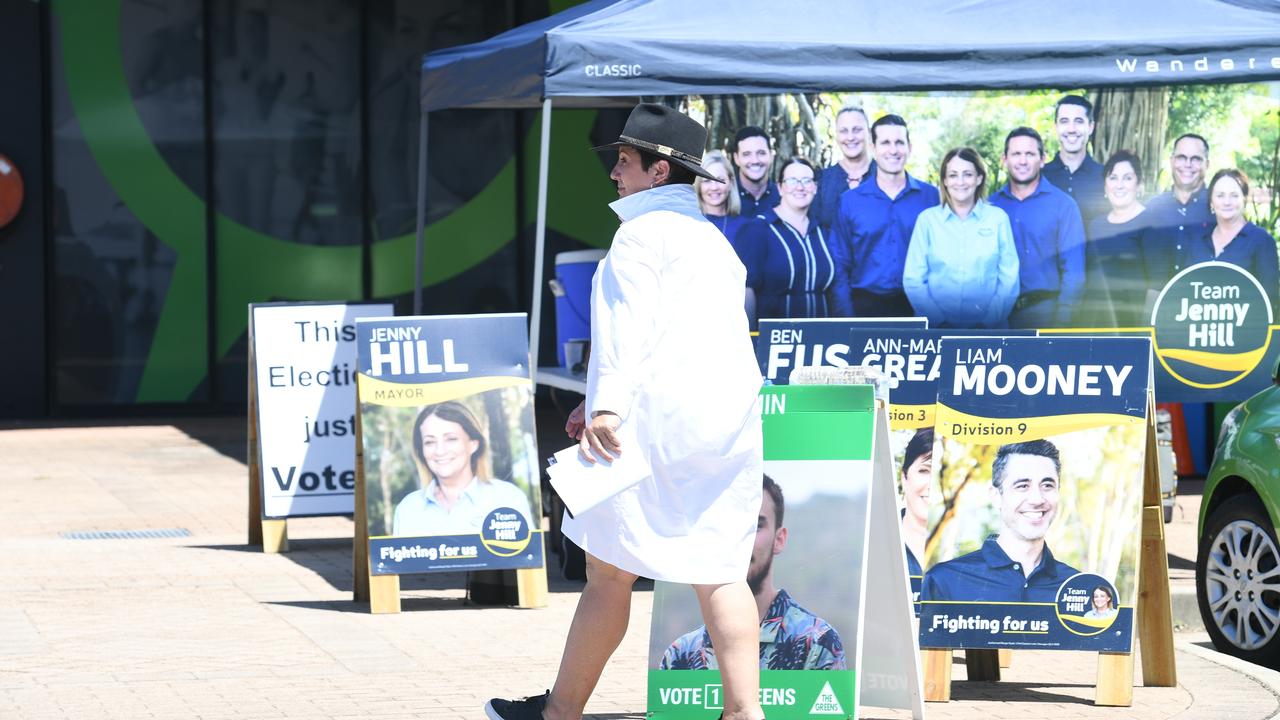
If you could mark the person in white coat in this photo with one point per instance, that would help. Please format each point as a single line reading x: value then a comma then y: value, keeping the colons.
x: 671, y: 358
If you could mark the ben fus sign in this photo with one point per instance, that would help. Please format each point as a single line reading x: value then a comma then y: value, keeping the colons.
x: 303, y: 359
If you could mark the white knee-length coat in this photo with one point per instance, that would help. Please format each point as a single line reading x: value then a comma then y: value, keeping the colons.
x: 671, y: 354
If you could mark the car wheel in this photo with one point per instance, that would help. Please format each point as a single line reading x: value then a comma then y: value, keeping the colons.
x: 1238, y: 581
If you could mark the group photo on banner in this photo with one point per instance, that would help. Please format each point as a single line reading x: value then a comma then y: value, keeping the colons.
x: 1147, y: 213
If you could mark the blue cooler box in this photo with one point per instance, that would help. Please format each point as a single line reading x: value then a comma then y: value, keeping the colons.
x: 572, y: 288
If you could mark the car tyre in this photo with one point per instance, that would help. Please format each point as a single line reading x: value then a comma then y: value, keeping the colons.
x: 1238, y: 581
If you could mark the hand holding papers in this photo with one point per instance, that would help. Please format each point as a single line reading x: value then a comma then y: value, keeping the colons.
x: 583, y: 485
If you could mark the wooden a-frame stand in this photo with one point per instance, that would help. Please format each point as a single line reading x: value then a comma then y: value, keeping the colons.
x: 382, y: 592
x: 271, y: 534
x: 1153, y: 615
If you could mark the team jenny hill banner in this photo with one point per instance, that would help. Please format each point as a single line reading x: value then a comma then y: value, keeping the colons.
x: 450, y: 462
x: 304, y: 375
x: 1036, y: 499
x: 808, y: 563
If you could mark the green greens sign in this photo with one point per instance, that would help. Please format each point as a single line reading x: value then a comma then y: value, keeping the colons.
x: 826, y: 466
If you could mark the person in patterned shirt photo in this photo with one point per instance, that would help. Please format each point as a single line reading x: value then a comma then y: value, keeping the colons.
x: 791, y: 638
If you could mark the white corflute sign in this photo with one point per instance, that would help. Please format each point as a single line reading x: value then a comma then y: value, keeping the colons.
x: 304, y: 386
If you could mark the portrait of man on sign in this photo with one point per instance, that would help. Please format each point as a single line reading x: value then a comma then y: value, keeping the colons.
x: 1014, y: 565
x: 791, y: 637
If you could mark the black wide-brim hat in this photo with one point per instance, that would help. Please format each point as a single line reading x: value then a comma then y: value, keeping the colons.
x: 667, y: 133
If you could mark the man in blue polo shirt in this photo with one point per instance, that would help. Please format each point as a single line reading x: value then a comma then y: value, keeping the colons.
x: 853, y: 143
x: 1048, y: 233
x: 873, y: 228
x: 1015, y: 565
x: 1072, y: 170
x: 1179, y: 217
x: 753, y: 154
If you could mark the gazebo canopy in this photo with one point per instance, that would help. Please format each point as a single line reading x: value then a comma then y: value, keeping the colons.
x: 627, y: 48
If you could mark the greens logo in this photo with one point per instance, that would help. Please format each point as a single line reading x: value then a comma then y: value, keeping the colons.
x: 1211, y: 325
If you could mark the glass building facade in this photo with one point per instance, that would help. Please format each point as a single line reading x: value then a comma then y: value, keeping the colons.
x: 198, y: 156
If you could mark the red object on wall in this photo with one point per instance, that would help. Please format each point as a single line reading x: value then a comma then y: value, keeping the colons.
x: 10, y: 191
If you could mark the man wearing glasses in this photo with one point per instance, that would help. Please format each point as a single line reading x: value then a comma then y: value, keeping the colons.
x: 873, y: 228
x: 1180, y: 215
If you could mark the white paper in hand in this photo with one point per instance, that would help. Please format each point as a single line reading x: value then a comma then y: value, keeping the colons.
x: 582, y: 485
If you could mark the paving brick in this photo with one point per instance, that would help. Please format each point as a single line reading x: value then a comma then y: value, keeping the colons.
x: 207, y: 627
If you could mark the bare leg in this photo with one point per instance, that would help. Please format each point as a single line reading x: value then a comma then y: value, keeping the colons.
x: 734, y: 624
x: 598, y: 626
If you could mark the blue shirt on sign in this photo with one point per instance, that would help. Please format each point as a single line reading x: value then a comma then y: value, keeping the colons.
x: 989, y: 575
x: 1049, y: 235
x: 728, y: 225
x: 751, y: 206
x: 871, y: 235
x: 1173, y: 227
x: 1251, y: 249
x: 1085, y: 185
x: 833, y: 182
x: 790, y: 272
x: 420, y: 513
x: 962, y: 273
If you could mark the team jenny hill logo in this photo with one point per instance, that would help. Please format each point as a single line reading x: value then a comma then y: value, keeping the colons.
x: 505, y: 532
x: 1212, y: 325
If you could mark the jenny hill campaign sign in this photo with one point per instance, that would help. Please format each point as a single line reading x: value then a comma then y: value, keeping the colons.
x: 1036, y: 502
x: 450, y: 462
x: 807, y: 565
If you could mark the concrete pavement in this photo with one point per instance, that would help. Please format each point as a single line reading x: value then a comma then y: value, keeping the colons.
x: 204, y: 626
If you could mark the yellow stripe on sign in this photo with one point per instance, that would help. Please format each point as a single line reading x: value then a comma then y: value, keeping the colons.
x: 1231, y: 362
x: 380, y: 392
x: 1100, y: 623
x: 911, y: 417
x: 979, y: 430
x: 507, y: 544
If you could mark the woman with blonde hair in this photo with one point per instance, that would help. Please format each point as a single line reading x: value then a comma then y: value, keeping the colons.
x: 451, y: 452
x: 719, y: 201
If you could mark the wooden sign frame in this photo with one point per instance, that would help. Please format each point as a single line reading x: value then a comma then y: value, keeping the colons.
x: 272, y: 534
x: 1153, y: 614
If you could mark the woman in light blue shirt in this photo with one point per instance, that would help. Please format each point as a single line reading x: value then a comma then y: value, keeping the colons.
x: 452, y: 455
x: 962, y: 266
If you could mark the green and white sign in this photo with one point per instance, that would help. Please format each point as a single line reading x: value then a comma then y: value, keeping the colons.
x: 827, y: 492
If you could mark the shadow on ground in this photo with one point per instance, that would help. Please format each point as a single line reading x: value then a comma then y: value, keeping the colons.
x: 330, y: 559
x: 1018, y: 692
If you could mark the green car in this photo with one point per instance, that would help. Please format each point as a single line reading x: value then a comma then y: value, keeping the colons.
x: 1238, y: 564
